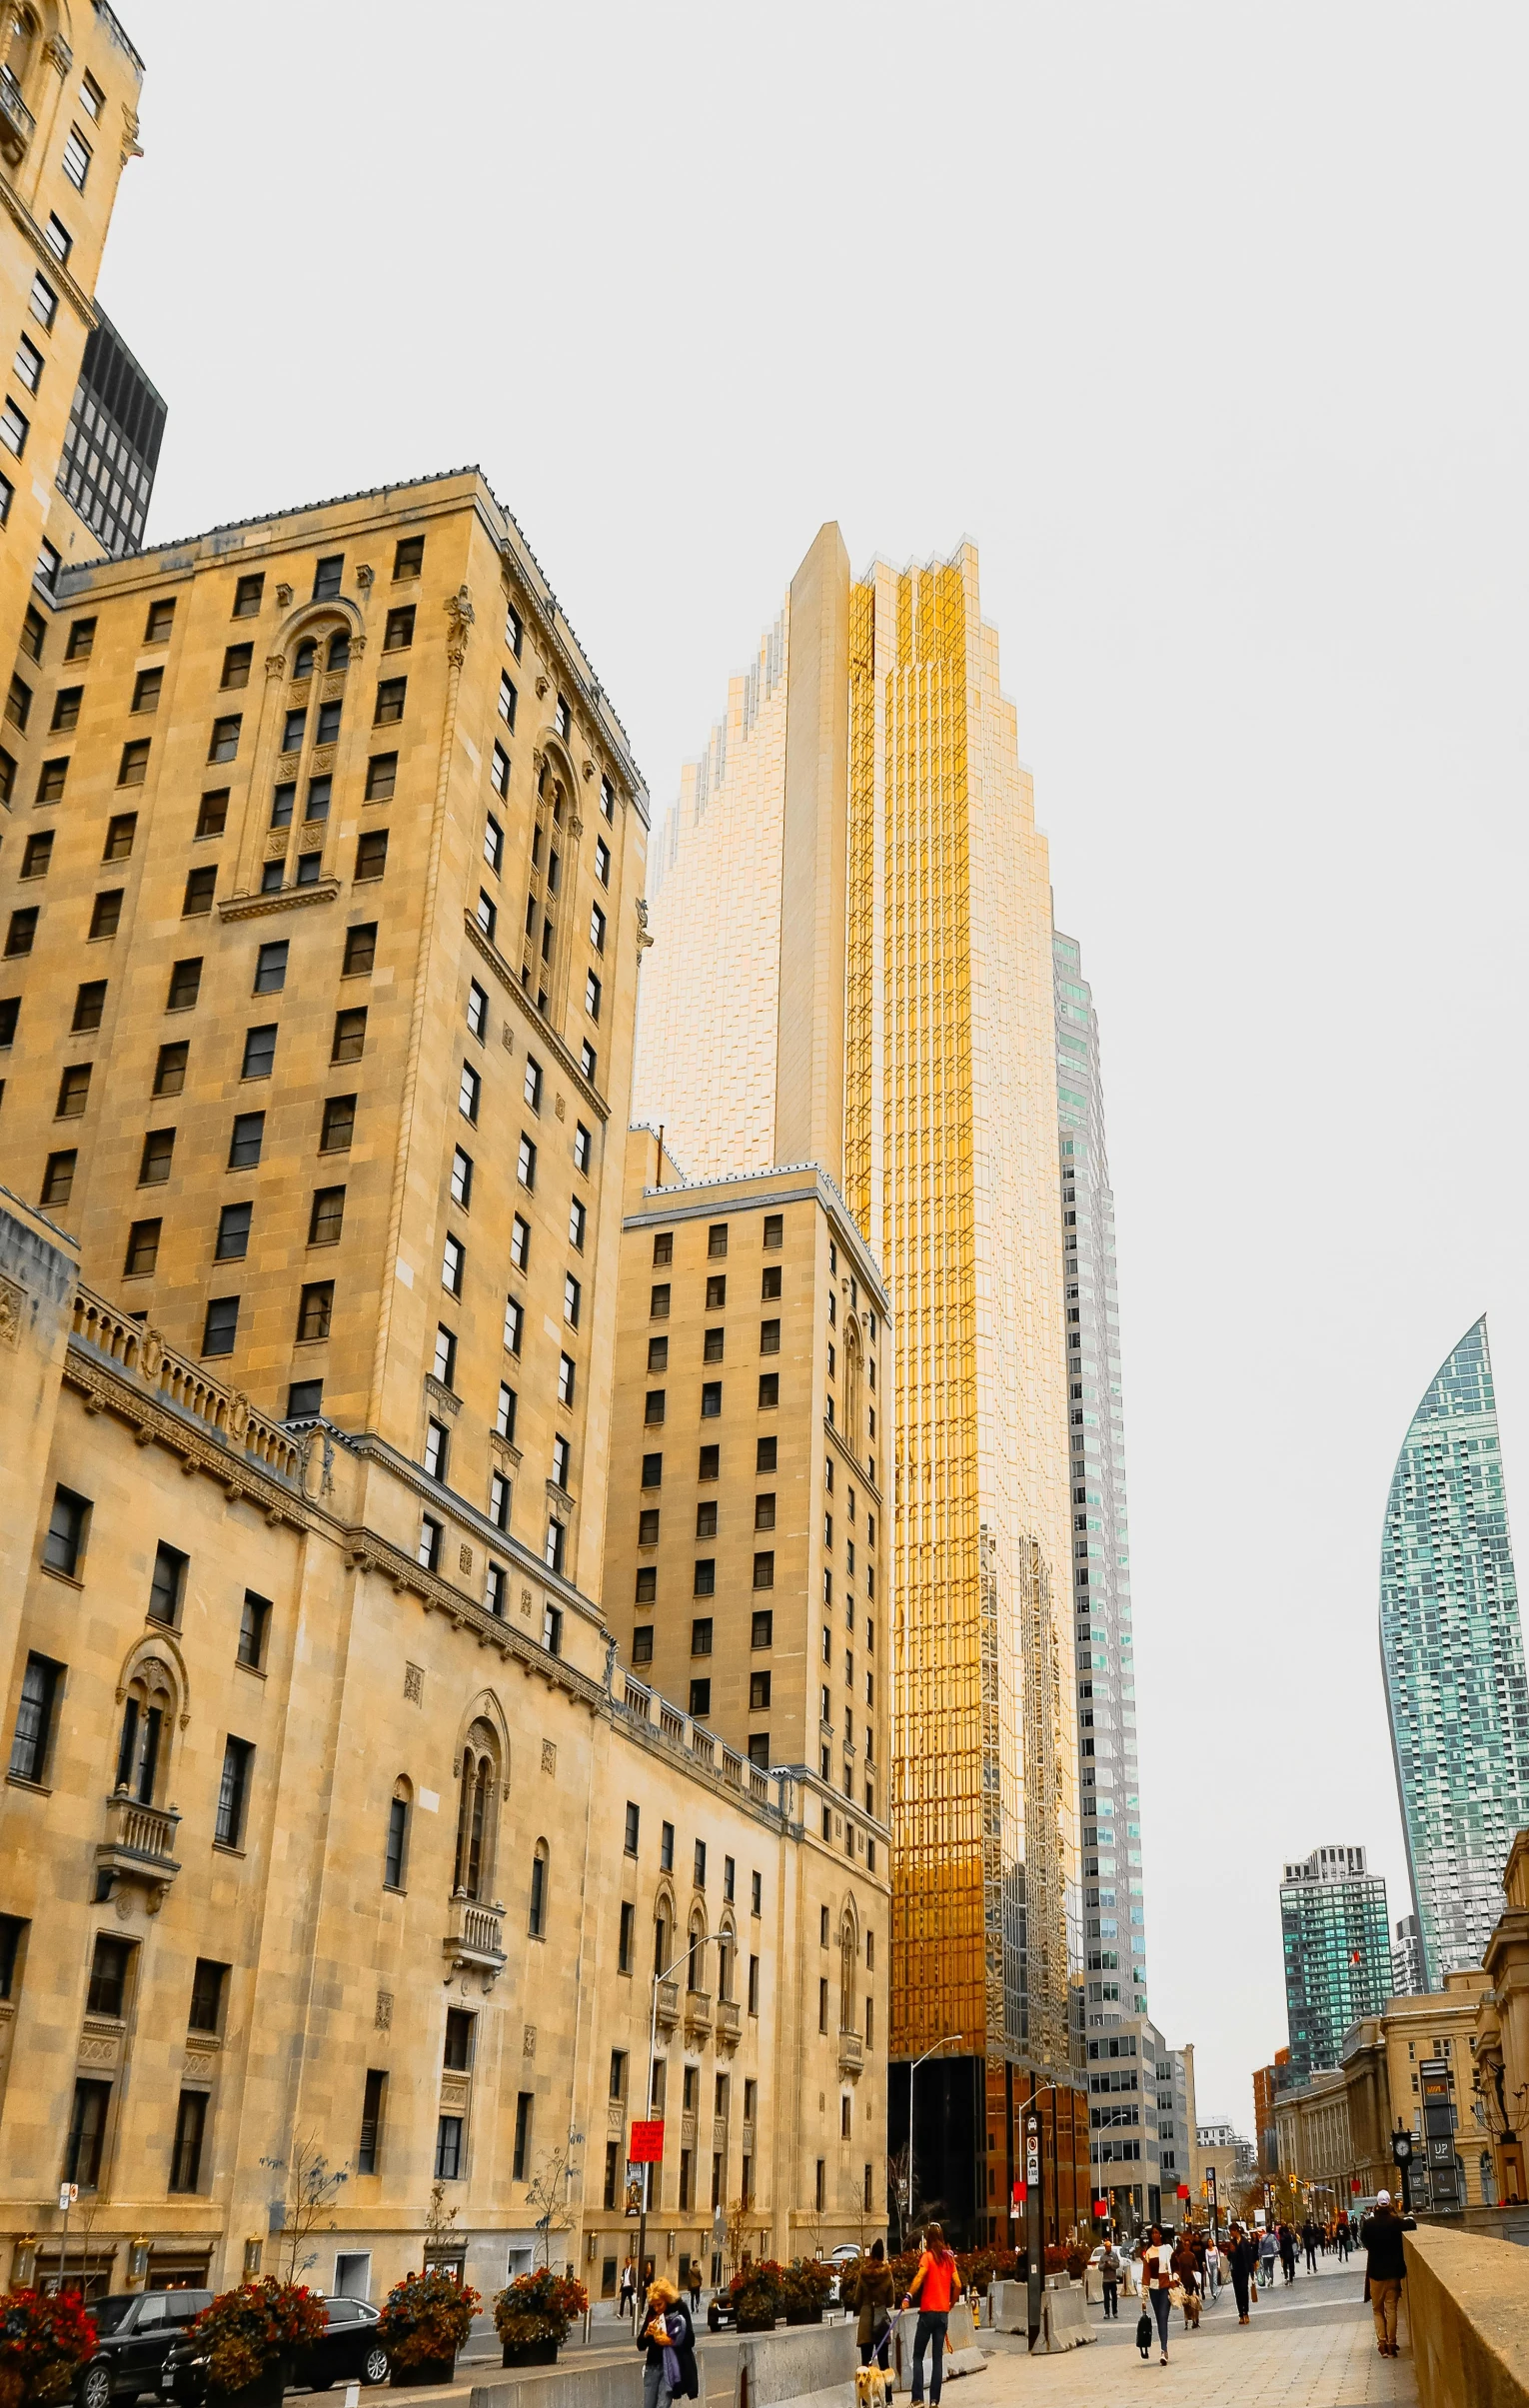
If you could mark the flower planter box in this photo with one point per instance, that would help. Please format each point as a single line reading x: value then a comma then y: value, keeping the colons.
x: 804, y: 2315
x: 531, y: 2353
x: 430, y: 2370
x: 265, y: 2392
x: 755, y: 2324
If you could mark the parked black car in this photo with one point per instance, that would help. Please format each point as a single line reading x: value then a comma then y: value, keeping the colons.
x: 135, y: 2329
x: 722, y: 2314
x: 347, y: 2351
x: 344, y: 2353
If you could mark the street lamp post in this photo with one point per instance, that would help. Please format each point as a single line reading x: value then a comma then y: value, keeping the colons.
x: 912, y: 2069
x: 721, y: 1938
x: 1035, y: 2243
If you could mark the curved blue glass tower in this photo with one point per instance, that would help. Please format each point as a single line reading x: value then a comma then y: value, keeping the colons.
x: 1452, y: 1651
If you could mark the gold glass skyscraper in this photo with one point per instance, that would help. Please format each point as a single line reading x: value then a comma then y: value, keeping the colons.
x: 855, y: 862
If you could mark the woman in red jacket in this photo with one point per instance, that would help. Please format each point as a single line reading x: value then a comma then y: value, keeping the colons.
x: 936, y: 2287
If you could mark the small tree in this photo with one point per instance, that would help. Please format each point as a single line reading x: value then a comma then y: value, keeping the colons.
x: 548, y: 2190
x: 311, y: 2188
x: 896, y: 2192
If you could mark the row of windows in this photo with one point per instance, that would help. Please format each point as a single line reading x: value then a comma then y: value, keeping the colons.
x: 370, y: 861
x: 712, y: 1346
x: 655, y: 1411
x: 659, y: 1297
x: 706, y: 1519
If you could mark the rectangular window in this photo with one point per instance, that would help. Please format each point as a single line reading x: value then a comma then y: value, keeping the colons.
x: 592, y: 994
x: 572, y: 1295
x: 408, y: 558
x: 390, y: 699
x: 29, y: 366
x: 470, y: 1089
x: 168, y: 1585
x: 525, y: 1161
x: 201, y: 885
x: 711, y: 1400
x: 259, y: 1052
x: 458, y: 2055
x: 325, y: 576
x: 575, y: 1225
x: 34, y: 1716
x: 522, y: 2156
x: 371, y: 855
x: 503, y: 1418
x: 190, y: 2129
x: 566, y: 1378
x: 51, y: 779
x: 225, y: 740
x: 58, y: 1178
x: 497, y: 1589
x: 339, y: 1124
x: 254, y: 1622
x: 398, y: 634
x: 350, y: 1035
x: 641, y: 1643
x: 142, y: 1250
x: 382, y: 777
x: 499, y: 770
x: 232, y: 1793
x: 212, y: 818
x: 487, y: 913
x: 315, y: 1312
x: 43, y: 301
x: 453, y: 1264
x: 373, y: 2103
x: 235, y: 666
x: 87, y: 2133
x: 583, y: 1147
x: 436, y: 1450
x: 476, y: 1010
x: 147, y: 687
x: 514, y: 1322
x: 597, y: 930
x: 247, y: 1140
x: 499, y: 1500
x: 428, y: 1552
x: 603, y: 861
x: 220, y: 1329
x: 15, y: 427
x: 449, y: 2148
x: 769, y: 1391
x: 73, y: 1092
x: 360, y: 950
x: 159, y: 1150
x: 444, y: 1361
x: 624, y: 1936
x: 247, y: 596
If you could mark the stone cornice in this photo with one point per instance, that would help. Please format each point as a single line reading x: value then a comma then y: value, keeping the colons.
x: 280, y: 899
x: 546, y: 1034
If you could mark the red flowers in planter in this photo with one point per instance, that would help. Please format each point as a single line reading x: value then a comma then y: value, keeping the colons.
x: 44, y: 2341
x: 426, y: 2318
x: 247, y: 2330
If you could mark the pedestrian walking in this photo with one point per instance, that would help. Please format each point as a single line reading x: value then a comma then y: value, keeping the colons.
x: 1341, y: 2238
x: 870, y: 2295
x: 1111, y: 2267
x: 1268, y: 2252
x: 1288, y: 2252
x: 667, y: 2337
x: 1186, y: 2266
x: 1157, y: 2283
x: 1212, y: 2269
x: 1311, y: 2233
x: 1242, y: 2266
x: 1385, y: 2268
x: 935, y: 2290
x: 625, y: 2296
x: 694, y: 2286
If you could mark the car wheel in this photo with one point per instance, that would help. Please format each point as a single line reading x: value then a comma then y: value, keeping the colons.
x: 374, y: 2366
x: 96, y: 2388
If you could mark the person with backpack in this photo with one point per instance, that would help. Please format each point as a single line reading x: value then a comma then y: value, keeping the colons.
x: 935, y: 2290
x: 1111, y: 2267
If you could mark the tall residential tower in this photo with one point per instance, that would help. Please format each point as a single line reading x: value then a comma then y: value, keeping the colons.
x: 1337, y: 1944
x: 1452, y: 1651
x: 1114, y: 1937
x: 852, y: 968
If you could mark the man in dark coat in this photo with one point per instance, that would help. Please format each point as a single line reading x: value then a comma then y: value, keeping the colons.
x: 1385, y: 2265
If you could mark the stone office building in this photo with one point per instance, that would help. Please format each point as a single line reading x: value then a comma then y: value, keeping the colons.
x: 332, y: 1819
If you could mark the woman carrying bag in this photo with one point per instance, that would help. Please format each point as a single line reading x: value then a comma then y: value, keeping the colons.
x: 935, y: 2288
x: 666, y: 2333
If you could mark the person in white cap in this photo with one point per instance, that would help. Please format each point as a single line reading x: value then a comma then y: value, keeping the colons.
x: 1386, y: 2268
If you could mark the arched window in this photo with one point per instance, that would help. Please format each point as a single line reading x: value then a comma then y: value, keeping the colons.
x: 396, y: 1853
x: 22, y: 53
x: 143, y: 1747
x: 303, y: 657
x: 476, y: 1813
x: 696, y: 1976
x: 537, y: 1920
x: 727, y: 1953
x: 340, y: 648
x: 853, y: 1366
x: 849, y: 1950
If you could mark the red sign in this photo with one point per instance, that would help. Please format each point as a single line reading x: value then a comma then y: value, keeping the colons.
x: 1184, y: 2190
x: 1354, y: 2184
x: 1101, y: 2207
x: 1021, y: 2192
x: 645, y: 2146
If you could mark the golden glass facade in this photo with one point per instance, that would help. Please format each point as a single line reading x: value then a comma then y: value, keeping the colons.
x: 948, y: 1137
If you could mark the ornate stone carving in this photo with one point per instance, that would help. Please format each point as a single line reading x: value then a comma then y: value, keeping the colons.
x: 549, y: 1756
x: 151, y: 1353
x: 238, y: 1416
x: 443, y: 1397
x: 383, y: 2020
x: 543, y: 685
x: 323, y: 761
x: 11, y: 1310
x: 414, y: 1684
x: 560, y: 1107
x: 464, y: 1557
x: 277, y: 841
x: 364, y: 574
x: 276, y: 664
x: 459, y: 619
x: 644, y: 939
x: 529, y: 2041
x: 588, y: 771
x: 283, y: 597
x: 525, y: 1602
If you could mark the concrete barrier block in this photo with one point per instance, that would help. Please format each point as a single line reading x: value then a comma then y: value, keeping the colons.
x: 805, y: 2366
x: 570, y: 2385
x: 964, y: 2355
x: 1008, y: 2307
x: 1064, y: 2325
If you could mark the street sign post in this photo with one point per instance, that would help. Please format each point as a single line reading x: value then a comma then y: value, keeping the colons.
x: 1037, y: 2266
x: 1210, y: 2202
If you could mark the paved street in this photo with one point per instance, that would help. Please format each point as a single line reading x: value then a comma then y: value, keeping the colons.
x: 1309, y: 2346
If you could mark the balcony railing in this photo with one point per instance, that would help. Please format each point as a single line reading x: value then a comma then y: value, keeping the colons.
x: 668, y: 2005
x: 473, y: 1937
x: 852, y: 2052
x: 698, y: 2012
x: 140, y: 1846
x: 729, y: 2024
x: 17, y: 124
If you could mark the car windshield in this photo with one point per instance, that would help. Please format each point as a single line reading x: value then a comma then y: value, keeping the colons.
x: 108, y: 2314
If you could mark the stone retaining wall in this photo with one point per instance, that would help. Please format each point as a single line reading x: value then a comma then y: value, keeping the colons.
x: 1467, y: 2301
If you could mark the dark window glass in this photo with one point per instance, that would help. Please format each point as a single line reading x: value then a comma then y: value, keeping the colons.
x: 221, y: 1326
x: 50, y: 783
x: 87, y: 2133
x: 184, y: 983
x: 236, y: 665
x: 399, y: 632
x: 339, y: 1124
x: 142, y: 1250
x: 158, y: 1153
x: 382, y: 777
x: 409, y: 558
x: 315, y: 1311
x: 271, y: 967
x: 34, y: 1718
x: 233, y: 1233
x: 325, y: 576
x: 109, y: 1967
x: 58, y: 1178
x: 168, y: 1586
x: 64, y: 1545
x: 390, y: 699
x: 189, y: 2131
x: 360, y: 950
x: 397, y: 1836
x: 247, y: 596
x: 170, y: 1068
x: 212, y: 818
x: 89, y: 1003
x: 349, y: 1035
x: 208, y: 1984
x: 254, y: 1622
x: 449, y: 2150
x: 457, y: 2056
x: 232, y: 1792
x: 373, y: 2101
x: 259, y: 1052
x: 224, y: 739
x: 247, y: 1140
x: 199, y: 888
x: 371, y: 854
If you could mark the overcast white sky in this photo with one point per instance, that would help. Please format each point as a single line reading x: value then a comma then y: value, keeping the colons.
x: 1208, y: 325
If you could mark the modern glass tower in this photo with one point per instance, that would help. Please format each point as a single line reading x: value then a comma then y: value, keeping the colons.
x: 1337, y: 1941
x: 1114, y: 1918
x: 1452, y: 1651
